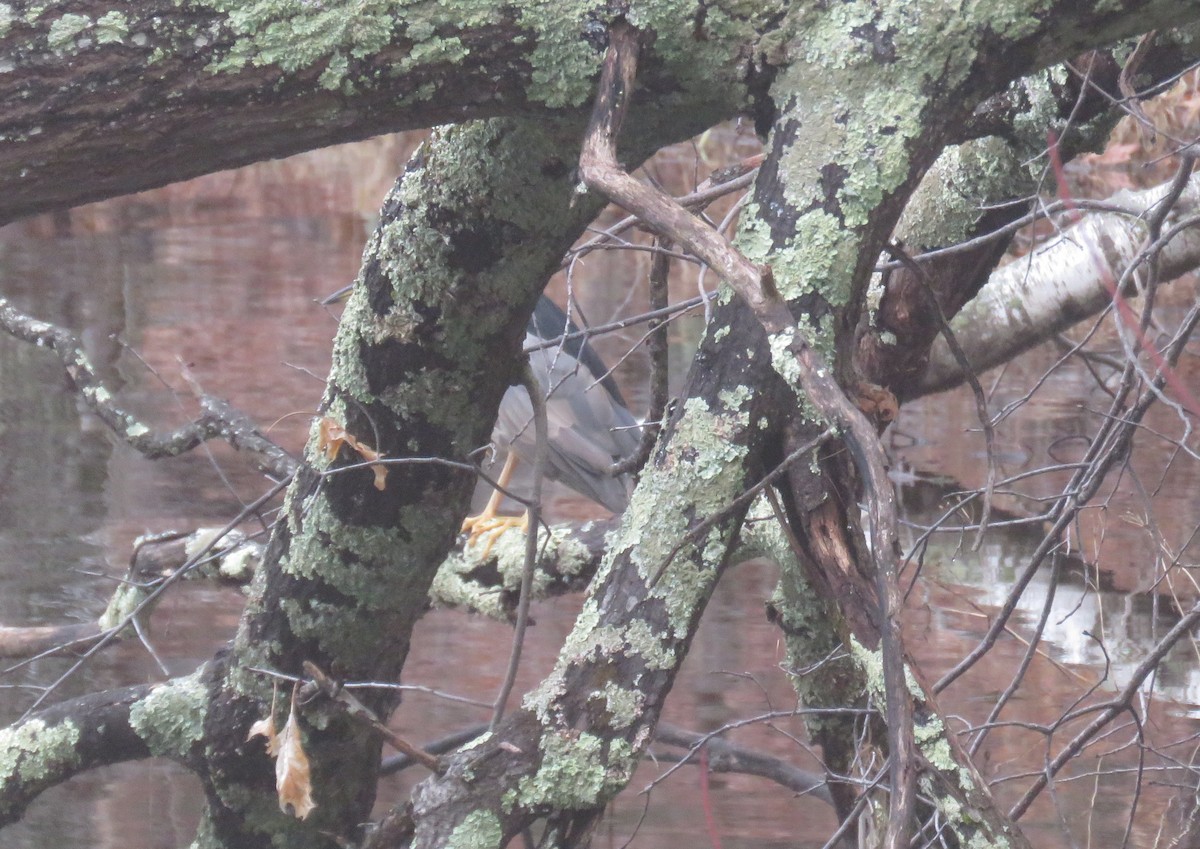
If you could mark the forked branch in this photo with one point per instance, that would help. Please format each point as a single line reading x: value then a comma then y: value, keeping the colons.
x: 602, y: 172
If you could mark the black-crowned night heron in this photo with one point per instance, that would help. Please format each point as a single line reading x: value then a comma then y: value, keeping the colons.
x: 589, y: 426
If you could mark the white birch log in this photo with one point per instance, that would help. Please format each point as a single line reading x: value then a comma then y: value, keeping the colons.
x: 1061, y: 283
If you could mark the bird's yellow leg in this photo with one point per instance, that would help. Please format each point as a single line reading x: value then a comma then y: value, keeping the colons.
x: 488, y: 523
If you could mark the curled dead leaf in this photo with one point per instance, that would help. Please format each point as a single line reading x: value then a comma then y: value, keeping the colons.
x: 292, y: 781
x: 265, y: 727
x: 332, y: 436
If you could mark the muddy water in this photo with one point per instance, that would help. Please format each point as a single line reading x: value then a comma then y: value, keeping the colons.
x: 219, y: 279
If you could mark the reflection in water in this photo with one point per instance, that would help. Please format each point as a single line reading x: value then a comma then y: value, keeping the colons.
x: 223, y: 274
x: 1089, y: 624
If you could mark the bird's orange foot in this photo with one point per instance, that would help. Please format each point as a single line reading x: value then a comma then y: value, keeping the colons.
x: 492, y: 527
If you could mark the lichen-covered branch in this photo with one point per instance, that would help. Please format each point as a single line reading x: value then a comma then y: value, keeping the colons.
x: 830, y: 192
x: 217, y: 418
x: 797, y: 362
x: 568, y: 556
x: 577, y: 738
x: 114, y: 726
x: 971, y: 191
x: 62, y: 742
x: 567, y: 559
x: 428, y: 343
x: 422, y: 357
x: 106, y: 99
x: 226, y: 556
x: 828, y: 230
x: 859, y: 99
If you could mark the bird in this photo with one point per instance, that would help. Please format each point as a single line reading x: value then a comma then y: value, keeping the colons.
x: 589, y: 426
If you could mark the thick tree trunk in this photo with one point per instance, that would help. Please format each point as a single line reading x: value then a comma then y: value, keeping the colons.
x: 454, y: 265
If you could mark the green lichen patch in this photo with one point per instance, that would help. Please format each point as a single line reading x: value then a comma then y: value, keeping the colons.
x: 871, y: 662
x: 653, y: 648
x: 111, y: 28
x: 349, y: 558
x: 563, y: 61
x: 704, y: 65
x: 587, y: 635
x: 623, y: 706
x: 63, y: 31
x: 667, y: 499
x: 121, y: 605
x: 296, y: 36
x: 947, y: 204
x: 7, y: 16
x: 782, y: 357
x: 31, y: 751
x: 478, y: 830
x: 818, y: 256
x: 672, y: 499
x: 171, y: 718
x: 240, y: 565
x: 577, y: 771
x: 542, y: 699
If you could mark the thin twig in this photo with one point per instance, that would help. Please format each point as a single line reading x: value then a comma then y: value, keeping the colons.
x: 960, y: 356
x: 541, y: 431
x: 217, y: 418
x: 657, y: 348
x: 111, y: 633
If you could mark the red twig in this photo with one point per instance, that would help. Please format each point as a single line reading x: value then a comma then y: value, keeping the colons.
x: 1125, y: 312
x: 710, y: 822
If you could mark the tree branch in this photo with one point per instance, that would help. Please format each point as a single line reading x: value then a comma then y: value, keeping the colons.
x: 1064, y: 282
x: 600, y: 170
x: 217, y: 418
x: 174, y: 92
x: 64, y: 741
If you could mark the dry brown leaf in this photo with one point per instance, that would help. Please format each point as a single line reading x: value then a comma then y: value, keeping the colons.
x: 877, y: 402
x: 332, y: 436
x: 292, y: 781
x: 265, y: 727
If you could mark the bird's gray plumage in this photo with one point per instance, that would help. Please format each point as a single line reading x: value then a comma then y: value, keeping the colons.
x: 589, y: 426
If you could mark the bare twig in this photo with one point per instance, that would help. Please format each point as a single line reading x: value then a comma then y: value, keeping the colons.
x: 151, y: 598
x: 217, y: 418
x: 981, y: 406
x: 1110, y: 710
x: 541, y: 430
